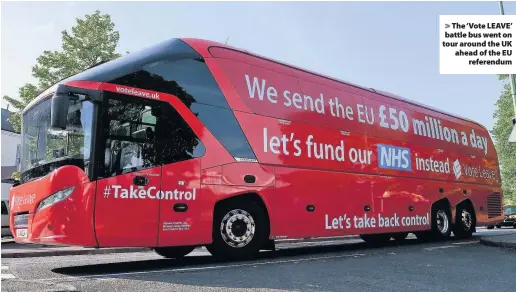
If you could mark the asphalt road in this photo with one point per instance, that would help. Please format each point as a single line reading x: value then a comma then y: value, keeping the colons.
x: 454, y: 265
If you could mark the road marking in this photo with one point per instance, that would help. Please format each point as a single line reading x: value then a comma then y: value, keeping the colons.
x: 466, y: 242
x: 6, y: 276
x: 54, y: 286
x: 3, y: 275
x: 205, y: 268
x: 439, y: 247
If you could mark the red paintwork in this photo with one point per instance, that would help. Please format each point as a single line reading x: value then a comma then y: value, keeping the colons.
x: 183, y: 176
x: 84, y: 84
x: 286, y: 182
x: 69, y: 222
x: 114, y: 217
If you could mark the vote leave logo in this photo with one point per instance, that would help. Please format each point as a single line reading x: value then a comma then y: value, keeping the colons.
x: 119, y: 192
x: 457, y: 169
x: 23, y: 200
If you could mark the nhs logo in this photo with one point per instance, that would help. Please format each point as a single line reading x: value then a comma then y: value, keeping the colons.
x: 392, y: 157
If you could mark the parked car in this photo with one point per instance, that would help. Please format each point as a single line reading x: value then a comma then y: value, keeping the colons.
x: 6, y: 186
x: 509, y: 217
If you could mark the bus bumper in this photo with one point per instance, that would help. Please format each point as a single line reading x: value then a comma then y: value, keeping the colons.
x: 62, y: 222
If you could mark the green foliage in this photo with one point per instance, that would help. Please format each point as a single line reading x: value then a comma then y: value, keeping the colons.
x: 26, y: 94
x: 503, y: 116
x: 503, y: 76
x: 16, y: 175
x: 93, y: 39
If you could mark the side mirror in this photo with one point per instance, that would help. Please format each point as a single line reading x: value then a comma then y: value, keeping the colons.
x: 512, y: 136
x: 59, y: 111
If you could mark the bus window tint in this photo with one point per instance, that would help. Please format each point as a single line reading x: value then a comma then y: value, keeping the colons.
x: 188, y: 79
x: 192, y: 82
x: 223, y: 125
x: 179, y: 140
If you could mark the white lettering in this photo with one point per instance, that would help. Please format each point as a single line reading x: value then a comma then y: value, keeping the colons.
x: 432, y: 165
x: 150, y: 193
x: 256, y: 86
x: 366, y: 221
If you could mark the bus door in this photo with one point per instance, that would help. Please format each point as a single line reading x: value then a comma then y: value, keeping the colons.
x: 180, y: 208
x: 129, y: 179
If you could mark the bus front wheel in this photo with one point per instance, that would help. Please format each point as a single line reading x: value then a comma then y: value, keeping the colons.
x: 174, y: 252
x: 240, y: 230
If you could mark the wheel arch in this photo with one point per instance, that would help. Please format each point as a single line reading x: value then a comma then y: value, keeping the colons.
x: 243, y: 198
x: 466, y: 202
x: 444, y: 202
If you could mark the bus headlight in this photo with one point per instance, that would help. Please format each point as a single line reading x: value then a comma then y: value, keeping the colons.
x: 55, y: 198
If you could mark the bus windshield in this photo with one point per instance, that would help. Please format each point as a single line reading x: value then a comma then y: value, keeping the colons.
x: 43, y: 146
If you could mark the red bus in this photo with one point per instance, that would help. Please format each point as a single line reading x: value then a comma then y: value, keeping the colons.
x: 193, y: 143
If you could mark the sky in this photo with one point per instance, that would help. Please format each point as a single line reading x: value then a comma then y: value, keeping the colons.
x: 391, y: 46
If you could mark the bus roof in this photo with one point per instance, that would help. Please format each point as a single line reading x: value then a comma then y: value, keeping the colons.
x: 202, y: 47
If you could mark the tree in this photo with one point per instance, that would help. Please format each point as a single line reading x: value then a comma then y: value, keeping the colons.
x: 26, y: 94
x: 503, y: 116
x: 93, y: 39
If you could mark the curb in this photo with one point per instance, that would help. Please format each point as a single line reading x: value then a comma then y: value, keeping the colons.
x: 7, y: 239
x: 498, y: 243
x: 50, y: 253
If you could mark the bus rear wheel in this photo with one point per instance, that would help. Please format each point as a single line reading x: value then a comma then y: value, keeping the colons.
x: 441, y: 223
x: 174, y: 252
x: 240, y: 230
x: 464, y: 222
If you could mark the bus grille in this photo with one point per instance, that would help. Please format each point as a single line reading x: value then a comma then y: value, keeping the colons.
x: 494, y: 205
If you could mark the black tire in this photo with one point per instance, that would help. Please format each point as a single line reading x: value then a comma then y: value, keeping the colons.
x: 375, y: 239
x: 436, y: 233
x: 464, y: 222
x: 174, y: 252
x: 399, y: 237
x: 490, y: 227
x: 441, y: 222
x: 498, y: 226
x: 249, y: 233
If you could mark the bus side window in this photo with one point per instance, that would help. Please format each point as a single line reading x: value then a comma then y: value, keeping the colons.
x: 130, y: 135
x: 179, y: 140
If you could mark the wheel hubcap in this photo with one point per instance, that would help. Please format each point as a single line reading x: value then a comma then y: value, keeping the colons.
x: 237, y: 228
x: 442, y: 221
x: 466, y: 220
